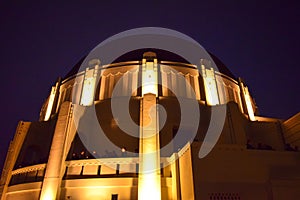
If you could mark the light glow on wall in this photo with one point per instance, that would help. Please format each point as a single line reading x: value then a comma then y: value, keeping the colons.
x: 88, y: 91
x: 149, y: 78
x: 249, y: 104
x: 48, y: 195
x: 150, y: 188
x: 149, y: 158
x: 210, y: 84
x: 50, y: 103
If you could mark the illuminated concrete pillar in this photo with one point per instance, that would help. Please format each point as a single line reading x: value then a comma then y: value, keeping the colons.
x: 149, y: 182
x: 173, y: 78
x: 125, y: 84
x: 12, y: 155
x: 89, y: 83
x: 210, y: 85
x: 246, y: 100
x: 175, y: 177
x: 55, y: 166
x: 102, y: 87
x: 134, y: 80
x: 187, y: 191
x: 52, y: 99
x: 196, y: 85
x: 149, y: 74
x: 164, y: 80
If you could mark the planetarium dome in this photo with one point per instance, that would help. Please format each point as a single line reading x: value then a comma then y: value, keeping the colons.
x: 161, y: 55
x: 63, y: 156
x: 225, y: 86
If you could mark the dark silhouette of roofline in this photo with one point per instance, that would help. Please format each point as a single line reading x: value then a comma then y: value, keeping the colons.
x: 162, y: 55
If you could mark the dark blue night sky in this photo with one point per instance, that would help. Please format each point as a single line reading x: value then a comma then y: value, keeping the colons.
x: 258, y: 41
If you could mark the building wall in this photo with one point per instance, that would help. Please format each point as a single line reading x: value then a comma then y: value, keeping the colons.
x: 107, y: 77
x: 24, y: 191
x: 236, y: 168
x: 232, y: 170
x: 291, y: 130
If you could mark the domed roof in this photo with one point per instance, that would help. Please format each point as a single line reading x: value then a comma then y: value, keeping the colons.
x: 162, y: 55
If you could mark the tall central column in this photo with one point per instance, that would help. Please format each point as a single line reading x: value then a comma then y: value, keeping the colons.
x: 149, y: 183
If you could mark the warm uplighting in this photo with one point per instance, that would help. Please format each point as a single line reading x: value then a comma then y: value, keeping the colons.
x: 248, y: 102
x: 50, y: 104
x: 149, y: 77
x: 212, y: 96
x: 149, y: 158
x: 89, y: 84
x: 249, y: 106
x: 160, y: 155
x: 48, y: 195
x: 150, y: 188
x: 87, y: 97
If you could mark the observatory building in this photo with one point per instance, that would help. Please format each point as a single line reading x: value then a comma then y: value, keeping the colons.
x: 254, y: 157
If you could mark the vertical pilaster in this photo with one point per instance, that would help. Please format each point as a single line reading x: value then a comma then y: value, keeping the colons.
x: 196, y: 85
x: 149, y: 186
x: 149, y: 76
x: 210, y: 85
x: 246, y: 100
x: 12, y: 155
x: 52, y: 101
x: 55, y: 165
x: 186, y: 173
x: 89, y: 84
x: 149, y: 182
x: 175, y: 177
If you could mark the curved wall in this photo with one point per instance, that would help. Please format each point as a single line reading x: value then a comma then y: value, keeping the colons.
x: 98, y: 83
